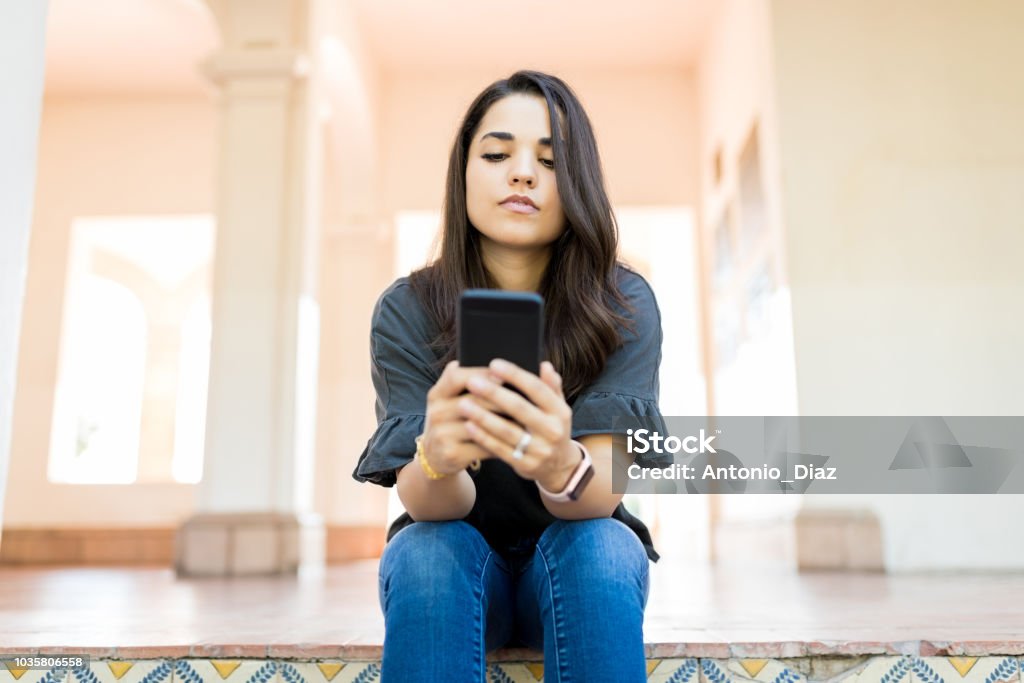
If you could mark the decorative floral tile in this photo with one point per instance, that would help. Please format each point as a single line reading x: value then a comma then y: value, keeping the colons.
x: 880, y: 670
x: 768, y: 670
x: 124, y: 671
x: 313, y: 672
x: 685, y: 670
x: 513, y: 672
x: 225, y: 671
x: 331, y: 671
x: 13, y: 675
x: 965, y: 670
x: 714, y: 671
x: 351, y: 672
x: 739, y: 670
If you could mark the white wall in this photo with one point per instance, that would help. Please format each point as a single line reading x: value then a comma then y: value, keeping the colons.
x: 903, y: 163
x: 22, y: 38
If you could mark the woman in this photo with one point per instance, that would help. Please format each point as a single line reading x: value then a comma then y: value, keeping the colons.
x: 502, y: 543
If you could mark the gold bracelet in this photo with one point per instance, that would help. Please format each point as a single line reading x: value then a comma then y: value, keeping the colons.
x: 431, y: 473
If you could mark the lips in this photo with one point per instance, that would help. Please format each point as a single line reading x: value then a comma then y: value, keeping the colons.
x: 518, y: 203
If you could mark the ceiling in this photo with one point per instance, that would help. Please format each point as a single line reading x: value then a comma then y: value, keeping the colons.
x: 405, y: 34
x: 127, y: 45
x: 155, y: 45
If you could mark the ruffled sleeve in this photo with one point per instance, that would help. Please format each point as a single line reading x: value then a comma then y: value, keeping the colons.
x: 628, y: 387
x: 403, y: 368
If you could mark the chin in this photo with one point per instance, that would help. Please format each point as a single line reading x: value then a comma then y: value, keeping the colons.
x: 517, y: 239
x: 518, y: 234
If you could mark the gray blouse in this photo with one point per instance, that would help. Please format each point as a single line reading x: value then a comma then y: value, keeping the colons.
x: 508, y: 510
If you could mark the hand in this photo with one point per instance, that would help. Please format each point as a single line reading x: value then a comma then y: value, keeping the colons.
x: 446, y: 441
x: 550, y: 456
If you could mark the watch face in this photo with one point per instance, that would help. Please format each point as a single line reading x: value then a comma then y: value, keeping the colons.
x: 577, y: 490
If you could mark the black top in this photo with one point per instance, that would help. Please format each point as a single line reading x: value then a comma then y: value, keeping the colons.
x: 508, y: 510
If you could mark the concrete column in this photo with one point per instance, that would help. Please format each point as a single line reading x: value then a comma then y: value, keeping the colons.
x: 254, y: 512
x: 22, y: 38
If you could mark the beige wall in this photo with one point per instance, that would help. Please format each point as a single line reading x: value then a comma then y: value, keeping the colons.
x: 735, y: 91
x: 106, y: 155
x: 644, y: 119
x: 903, y: 161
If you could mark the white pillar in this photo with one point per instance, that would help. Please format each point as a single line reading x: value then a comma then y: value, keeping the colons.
x: 22, y: 38
x: 254, y: 501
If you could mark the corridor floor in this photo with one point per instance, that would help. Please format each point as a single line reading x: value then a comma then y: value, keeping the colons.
x: 692, y: 612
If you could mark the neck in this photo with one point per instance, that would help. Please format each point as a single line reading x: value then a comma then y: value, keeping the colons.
x: 515, y: 269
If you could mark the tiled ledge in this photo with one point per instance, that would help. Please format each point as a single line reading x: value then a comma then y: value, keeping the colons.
x: 771, y: 650
x: 830, y: 669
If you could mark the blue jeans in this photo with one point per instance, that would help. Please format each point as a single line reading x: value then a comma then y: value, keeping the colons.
x: 448, y: 599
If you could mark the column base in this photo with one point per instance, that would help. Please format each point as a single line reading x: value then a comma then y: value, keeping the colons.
x: 845, y: 540
x: 249, y: 543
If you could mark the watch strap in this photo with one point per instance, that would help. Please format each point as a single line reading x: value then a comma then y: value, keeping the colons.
x: 578, y: 480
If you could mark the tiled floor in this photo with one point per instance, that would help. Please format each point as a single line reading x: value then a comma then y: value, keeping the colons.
x: 706, y: 625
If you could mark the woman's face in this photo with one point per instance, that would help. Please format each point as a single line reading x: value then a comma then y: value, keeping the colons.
x: 511, y: 195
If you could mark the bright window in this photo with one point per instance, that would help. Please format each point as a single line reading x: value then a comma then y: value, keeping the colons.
x: 99, y: 396
x: 130, y: 401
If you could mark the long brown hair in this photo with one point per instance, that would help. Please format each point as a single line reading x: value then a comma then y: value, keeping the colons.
x: 579, y: 286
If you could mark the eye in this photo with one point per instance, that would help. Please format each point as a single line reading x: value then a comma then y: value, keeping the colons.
x: 495, y: 157
x: 550, y: 163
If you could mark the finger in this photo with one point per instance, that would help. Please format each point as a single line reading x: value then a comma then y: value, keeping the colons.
x: 530, y: 384
x: 469, y: 451
x: 450, y: 447
x: 458, y: 457
x: 551, y: 378
x: 521, y: 411
x: 480, y: 400
x: 447, y: 384
x: 452, y: 381
x: 515, y: 406
x: 505, y: 430
x: 498, y: 448
x: 451, y: 433
x: 447, y: 410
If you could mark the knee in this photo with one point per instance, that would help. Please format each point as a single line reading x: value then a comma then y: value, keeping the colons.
x: 601, y: 552
x: 430, y: 557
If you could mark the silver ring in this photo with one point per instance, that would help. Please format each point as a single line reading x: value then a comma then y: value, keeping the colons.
x: 524, y: 442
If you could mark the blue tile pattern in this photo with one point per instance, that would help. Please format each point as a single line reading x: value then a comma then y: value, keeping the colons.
x: 713, y: 672
x: 158, y: 675
x: 685, y: 673
x: 881, y: 669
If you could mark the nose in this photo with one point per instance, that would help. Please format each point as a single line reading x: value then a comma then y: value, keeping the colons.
x: 523, y: 172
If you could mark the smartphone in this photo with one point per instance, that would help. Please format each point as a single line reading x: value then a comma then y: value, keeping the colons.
x: 492, y: 323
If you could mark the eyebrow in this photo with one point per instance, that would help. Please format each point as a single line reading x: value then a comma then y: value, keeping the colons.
x: 508, y: 137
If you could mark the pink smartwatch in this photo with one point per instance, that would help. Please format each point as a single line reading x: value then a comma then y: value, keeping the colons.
x: 581, y: 476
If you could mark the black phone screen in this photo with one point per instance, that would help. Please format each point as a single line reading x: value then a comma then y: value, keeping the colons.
x: 496, y: 324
